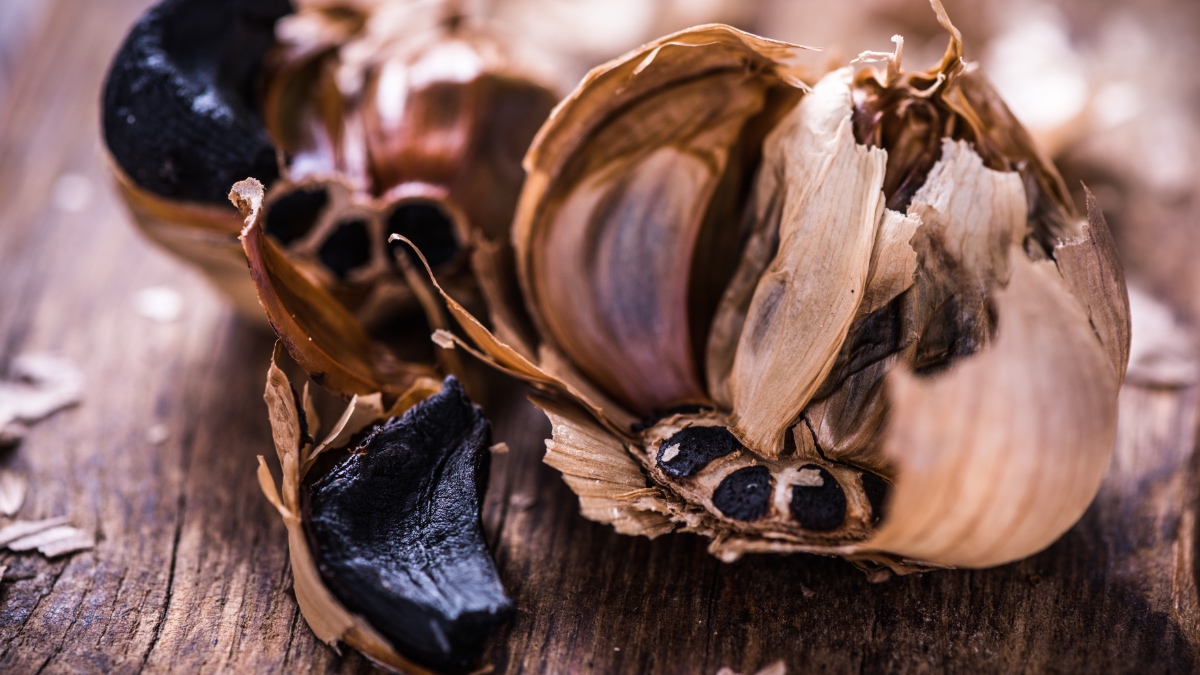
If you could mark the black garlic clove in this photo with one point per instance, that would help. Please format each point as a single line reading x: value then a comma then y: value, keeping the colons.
x: 690, y: 450
x: 395, y: 530
x: 179, y: 112
x: 745, y: 494
x: 818, y: 503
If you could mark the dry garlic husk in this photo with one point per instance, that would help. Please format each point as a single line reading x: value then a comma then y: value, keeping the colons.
x: 323, y: 337
x: 371, y: 569
x: 853, y: 315
x: 362, y: 119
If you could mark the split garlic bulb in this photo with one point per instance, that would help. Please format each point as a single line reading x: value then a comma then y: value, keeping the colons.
x: 854, y: 315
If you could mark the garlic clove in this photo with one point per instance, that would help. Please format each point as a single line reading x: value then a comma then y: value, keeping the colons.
x: 620, y: 252
x: 177, y: 109
x: 427, y: 584
x: 641, y: 169
x: 453, y: 570
x: 998, y: 456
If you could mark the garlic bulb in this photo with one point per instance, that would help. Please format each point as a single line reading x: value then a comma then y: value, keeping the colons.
x: 362, y: 119
x: 854, y: 315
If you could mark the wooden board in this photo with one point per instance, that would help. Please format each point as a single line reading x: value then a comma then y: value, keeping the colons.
x: 190, y: 571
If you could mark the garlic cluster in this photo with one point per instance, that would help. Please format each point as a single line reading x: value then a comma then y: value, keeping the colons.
x: 854, y: 315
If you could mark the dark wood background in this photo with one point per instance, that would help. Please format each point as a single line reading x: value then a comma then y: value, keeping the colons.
x: 190, y: 571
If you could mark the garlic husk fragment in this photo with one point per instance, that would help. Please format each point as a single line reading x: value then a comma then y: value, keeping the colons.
x: 803, y: 304
x: 937, y: 323
x: 319, y: 333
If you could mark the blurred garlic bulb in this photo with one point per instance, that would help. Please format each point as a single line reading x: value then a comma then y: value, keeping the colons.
x: 362, y: 119
x: 858, y: 318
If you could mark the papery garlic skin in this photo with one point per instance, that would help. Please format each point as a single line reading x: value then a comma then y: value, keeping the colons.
x: 809, y: 294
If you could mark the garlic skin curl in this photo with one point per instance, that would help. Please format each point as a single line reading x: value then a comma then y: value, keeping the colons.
x: 854, y: 314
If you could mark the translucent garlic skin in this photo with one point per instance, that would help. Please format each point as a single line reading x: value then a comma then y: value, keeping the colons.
x: 853, y: 315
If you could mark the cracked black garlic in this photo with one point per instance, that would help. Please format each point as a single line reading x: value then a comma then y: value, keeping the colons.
x: 854, y: 315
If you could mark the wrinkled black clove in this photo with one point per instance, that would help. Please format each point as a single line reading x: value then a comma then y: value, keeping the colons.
x: 178, y: 108
x: 819, y: 507
x: 395, y: 529
x: 690, y: 450
x: 745, y: 494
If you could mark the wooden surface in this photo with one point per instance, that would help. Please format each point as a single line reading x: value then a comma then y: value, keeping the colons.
x: 190, y: 570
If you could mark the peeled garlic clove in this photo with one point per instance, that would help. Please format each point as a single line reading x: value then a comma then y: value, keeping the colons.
x: 426, y: 584
x: 179, y: 124
x: 325, y: 339
x: 413, y: 594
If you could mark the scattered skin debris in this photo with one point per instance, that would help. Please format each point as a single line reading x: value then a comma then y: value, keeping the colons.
x: 1162, y: 351
x: 161, y: 304
x: 12, y: 492
x: 777, y: 668
x: 39, y: 385
x: 24, y: 528
x: 157, y: 434
x: 51, y: 537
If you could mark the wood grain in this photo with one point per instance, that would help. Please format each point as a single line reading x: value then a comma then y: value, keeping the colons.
x: 190, y: 571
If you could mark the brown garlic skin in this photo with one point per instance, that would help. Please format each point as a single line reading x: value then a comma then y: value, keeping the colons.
x: 819, y: 314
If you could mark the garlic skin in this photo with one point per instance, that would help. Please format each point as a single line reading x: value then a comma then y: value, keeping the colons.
x: 852, y: 315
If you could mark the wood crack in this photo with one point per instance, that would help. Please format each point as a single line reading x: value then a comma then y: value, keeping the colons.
x: 166, y: 607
